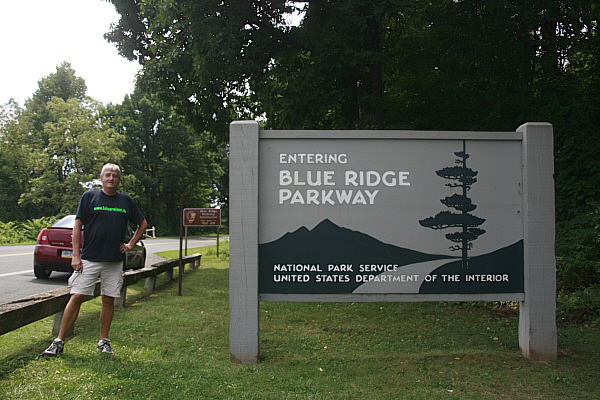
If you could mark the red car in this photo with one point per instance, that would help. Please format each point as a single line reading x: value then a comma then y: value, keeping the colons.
x: 54, y: 250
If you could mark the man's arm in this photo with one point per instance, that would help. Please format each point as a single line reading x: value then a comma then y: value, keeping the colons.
x: 76, y: 262
x: 139, y: 232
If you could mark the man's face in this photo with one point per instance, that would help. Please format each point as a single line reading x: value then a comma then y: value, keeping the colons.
x: 110, y: 180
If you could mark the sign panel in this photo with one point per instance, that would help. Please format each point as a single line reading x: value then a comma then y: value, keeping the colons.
x: 392, y: 216
x: 201, y: 217
x: 348, y: 215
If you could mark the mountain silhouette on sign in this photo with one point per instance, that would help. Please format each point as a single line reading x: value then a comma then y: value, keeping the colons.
x: 498, y: 272
x: 327, y: 244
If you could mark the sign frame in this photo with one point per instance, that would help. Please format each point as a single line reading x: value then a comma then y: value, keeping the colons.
x: 537, y: 319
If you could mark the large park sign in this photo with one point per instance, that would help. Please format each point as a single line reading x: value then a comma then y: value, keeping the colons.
x: 392, y: 216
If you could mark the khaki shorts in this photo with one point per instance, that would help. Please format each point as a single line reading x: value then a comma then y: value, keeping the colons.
x: 110, y: 274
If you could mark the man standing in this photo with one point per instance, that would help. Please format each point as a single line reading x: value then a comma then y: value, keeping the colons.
x: 104, y: 214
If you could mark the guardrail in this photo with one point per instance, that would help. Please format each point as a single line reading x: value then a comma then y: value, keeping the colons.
x: 153, y: 230
x: 18, y: 313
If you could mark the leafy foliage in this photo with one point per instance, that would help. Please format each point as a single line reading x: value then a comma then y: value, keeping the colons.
x: 13, y: 153
x: 78, y: 144
x: 164, y: 159
x: 201, y: 55
x: 14, y: 232
x: 63, y: 84
x: 53, y: 148
x: 578, y: 266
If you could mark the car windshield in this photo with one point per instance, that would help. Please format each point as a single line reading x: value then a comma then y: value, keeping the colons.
x: 65, y: 222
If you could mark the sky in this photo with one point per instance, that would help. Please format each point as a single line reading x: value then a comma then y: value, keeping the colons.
x: 38, y: 35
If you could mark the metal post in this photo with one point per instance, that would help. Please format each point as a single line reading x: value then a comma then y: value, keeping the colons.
x: 217, y: 242
x: 180, y: 245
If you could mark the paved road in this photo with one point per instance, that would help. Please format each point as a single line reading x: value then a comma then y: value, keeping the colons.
x: 16, y: 267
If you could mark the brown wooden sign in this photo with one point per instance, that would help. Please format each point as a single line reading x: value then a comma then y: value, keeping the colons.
x: 201, y: 217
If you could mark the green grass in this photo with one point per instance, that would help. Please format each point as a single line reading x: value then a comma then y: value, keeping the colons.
x: 176, y: 347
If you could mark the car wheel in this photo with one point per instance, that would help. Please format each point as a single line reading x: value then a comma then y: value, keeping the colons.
x: 41, y: 272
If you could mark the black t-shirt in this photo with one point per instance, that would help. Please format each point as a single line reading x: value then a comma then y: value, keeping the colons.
x: 105, y: 219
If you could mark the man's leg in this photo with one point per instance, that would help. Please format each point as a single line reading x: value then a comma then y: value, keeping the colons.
x: 106, y: 315
x: 112, y: 281
x: 82, y: 285
x: 70, y: 314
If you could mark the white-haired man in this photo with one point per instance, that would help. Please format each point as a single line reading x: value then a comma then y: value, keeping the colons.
x: 104, y: 214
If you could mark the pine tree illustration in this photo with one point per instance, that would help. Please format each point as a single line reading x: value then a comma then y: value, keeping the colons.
x: 461, y: 217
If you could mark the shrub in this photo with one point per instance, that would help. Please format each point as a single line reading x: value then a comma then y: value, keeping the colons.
x: 578, y: 266
x: 580, y: 305
x: 13, y: 232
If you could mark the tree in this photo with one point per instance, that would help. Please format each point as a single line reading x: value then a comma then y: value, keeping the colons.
x: 13, y: 178
x: 63, y: 84
x: 355, y: 64
x: 477, y: 65
x: 78, y: 144
x: 200, y: 56
x: 330, y: 73
x: 468, y: 223
x: 165, y: 158
x: 53, y: 149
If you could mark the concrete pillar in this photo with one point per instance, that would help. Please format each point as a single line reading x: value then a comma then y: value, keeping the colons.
x: 537, y: 314
x: 243, y: 225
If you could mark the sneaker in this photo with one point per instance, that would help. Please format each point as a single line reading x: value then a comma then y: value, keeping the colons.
x: 104, y: 346
x: 54, y: 349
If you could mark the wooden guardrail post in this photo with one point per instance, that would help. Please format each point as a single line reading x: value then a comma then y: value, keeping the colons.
x: 120, y: 301
x: 169, y: 275
x: 150, y: 283
x: 57, y: 322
